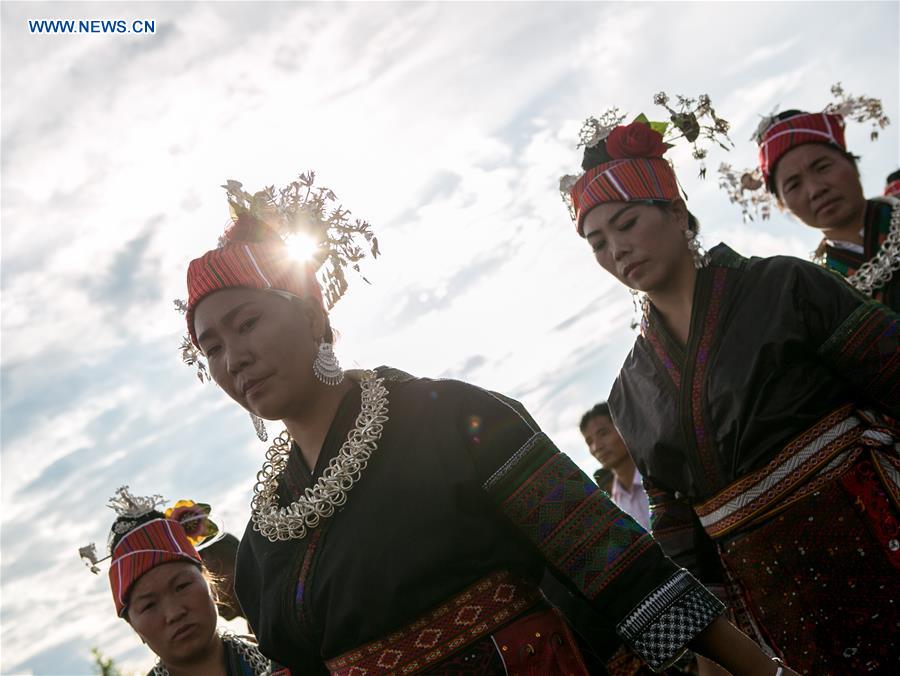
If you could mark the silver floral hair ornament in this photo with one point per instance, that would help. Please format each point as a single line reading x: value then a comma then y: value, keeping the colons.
x: 299, y: 209
x: 696, y: 120
x: 129, y: 508
x: 746, y: 187
x: 692, y: 119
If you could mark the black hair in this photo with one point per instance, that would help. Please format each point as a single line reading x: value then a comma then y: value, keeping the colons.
x: 786, y: 114
x: 595, y: 155
x: 124, y: 525
x: 223, y: 550
x: 895, y: 176
x: 329, y: 334
x: 601, y: 409
x: 693, y: 222
x: 603, y: 477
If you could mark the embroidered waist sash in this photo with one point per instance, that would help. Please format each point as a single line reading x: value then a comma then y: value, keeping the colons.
x: 821, y: 453
x: 472, y: 614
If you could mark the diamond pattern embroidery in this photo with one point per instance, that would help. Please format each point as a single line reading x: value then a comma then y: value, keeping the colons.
x: 429, y: 638
x: 504, y: 593
x: 389, y: 658
x: 468, y: 615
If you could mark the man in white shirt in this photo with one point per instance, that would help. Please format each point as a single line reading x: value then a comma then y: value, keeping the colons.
x: 607, y: 447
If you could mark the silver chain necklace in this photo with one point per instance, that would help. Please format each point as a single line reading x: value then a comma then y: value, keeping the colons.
x: 330, y: 492
x: 878, y: 271
x: 250, y: 652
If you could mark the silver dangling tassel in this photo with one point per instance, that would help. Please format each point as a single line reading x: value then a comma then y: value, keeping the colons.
x: 701, y: 258
x: 326, y: 366
x: 641, y: 304
x: 260, y: 427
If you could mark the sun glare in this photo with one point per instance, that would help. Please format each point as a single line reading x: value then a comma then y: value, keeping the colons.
x: 301, y: 247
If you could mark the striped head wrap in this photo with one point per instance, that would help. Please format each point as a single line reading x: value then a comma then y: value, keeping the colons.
x: 623, y: 180
x: 151, y: 544
x: 625, y: 163
x: 252, y: 256
x: 892, y: 189
x: 787, y: 134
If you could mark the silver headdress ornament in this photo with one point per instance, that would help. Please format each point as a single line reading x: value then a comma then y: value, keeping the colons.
x: 593, y: 130
x: 89, y: 552
x: 128, y: 508
x: 692, y: 119
x: 300, y: 209
x: 858, y: 109
x: 765, y: 121
x: 746, y: 187
x: 688, y: 118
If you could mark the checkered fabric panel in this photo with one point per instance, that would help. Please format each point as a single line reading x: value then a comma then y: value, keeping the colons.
x: 664, y: 640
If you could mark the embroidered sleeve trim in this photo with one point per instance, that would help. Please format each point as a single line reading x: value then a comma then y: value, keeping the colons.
x: 842, y: 335
x: 660, y: 626
x: 515, y: 459
x: 866, y: 349
x: 570, y: 521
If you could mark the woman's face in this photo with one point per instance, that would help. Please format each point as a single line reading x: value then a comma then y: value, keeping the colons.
x: 641, y: 245
x: 171, y: 609
x: 260, y: 348
x: 820, y: 186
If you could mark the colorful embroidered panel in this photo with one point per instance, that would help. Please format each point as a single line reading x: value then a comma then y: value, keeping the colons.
x: 701, y: 428
x: 810, y: 460
x: 303, y: 579
x: 666, y: 360
x: 875, y: 231
x: 574, y: 525
x: 817, y: 575
x: 866, y: 347
x: 470, y: 615
x: 585, y: 537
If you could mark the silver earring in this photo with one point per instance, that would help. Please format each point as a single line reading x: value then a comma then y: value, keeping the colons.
x: 260, y: 427
x: 701, y: 258
x: 326, y: 366
x: 641, y: 303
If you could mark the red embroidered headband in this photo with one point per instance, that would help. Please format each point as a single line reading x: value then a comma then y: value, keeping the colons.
x: 146, y: 542
x: 625, y: 162
x: 623, y: 180
x: 239, y: 262
x: 750, y: 188
x: 254, y: 253
x: 798, y: 130
x: 892, y: 189
x: 147, y: 546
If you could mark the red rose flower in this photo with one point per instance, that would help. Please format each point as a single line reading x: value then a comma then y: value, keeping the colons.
x: 635, y: 140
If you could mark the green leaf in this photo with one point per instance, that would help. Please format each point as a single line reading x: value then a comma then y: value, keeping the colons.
x: 660, y: 127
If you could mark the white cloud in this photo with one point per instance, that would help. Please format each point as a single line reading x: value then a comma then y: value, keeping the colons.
x: 445, y: 125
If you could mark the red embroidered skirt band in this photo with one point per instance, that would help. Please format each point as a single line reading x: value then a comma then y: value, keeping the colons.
x: 820, y: 454
x: 477, y: 612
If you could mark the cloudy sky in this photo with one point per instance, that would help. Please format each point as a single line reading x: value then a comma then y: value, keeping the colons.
x: 445, y: 125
